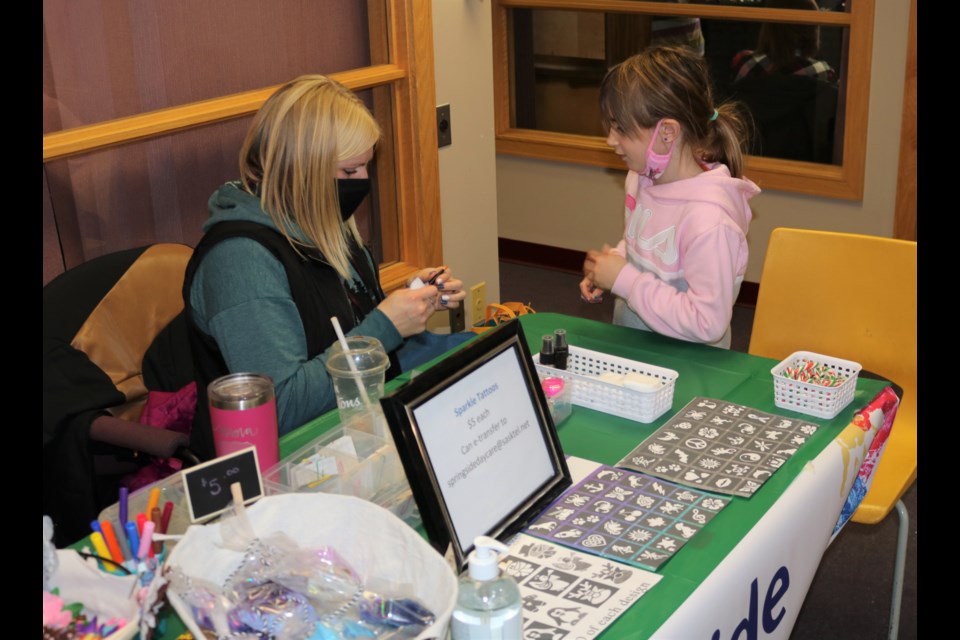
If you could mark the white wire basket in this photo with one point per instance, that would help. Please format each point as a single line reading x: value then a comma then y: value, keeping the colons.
x: 810, y: 397
x: 583, y: 367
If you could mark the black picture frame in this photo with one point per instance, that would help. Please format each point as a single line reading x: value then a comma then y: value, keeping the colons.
x: 502, y: 351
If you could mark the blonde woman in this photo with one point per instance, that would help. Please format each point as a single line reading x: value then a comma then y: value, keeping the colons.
x: 281, y: 254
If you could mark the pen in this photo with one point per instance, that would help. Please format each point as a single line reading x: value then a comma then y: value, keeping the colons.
x: 141, y: 520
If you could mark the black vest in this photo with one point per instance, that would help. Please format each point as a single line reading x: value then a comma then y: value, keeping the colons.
x: 318, y: 291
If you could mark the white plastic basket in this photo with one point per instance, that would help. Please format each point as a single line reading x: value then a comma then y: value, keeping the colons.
x: 583, y: 365
x: 812, y: 398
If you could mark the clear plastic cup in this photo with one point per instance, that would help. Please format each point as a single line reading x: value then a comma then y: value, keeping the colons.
x: 359, y: 386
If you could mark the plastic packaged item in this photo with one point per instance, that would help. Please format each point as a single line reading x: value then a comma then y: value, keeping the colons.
x: 489, y: 606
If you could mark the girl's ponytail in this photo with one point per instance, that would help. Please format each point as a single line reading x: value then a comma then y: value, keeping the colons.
x: 726, y: 138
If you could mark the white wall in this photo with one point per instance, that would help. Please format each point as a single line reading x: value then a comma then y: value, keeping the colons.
x: 578, y: 207
x: 463, y: 54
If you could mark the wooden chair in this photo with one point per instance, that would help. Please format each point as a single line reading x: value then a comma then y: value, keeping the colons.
x: 854, y: 297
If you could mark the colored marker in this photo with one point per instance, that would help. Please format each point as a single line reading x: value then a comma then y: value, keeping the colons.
x: 124, y: 498
x: 146, y: 541
x: 133, y: 538
x: 95, y: 526
x: 165, y: 519
x: 141, y: 520
x: 153, y: 501
x: 111, y: 540
x: 101, y: 546
x: 121, y: 535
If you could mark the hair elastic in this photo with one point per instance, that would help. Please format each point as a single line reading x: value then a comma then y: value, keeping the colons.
x: 714, y: 116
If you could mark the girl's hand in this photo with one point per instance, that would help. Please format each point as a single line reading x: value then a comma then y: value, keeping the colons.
x: 603, y: 267
x: 450, y: 288
x: 590, y: 292
x: 409, y: 309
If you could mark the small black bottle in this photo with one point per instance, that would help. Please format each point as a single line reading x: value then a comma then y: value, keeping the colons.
x: 546, y: 351
x: 561, y: 350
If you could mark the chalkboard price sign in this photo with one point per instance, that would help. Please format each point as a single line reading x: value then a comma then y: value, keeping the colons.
x: 208, y: 485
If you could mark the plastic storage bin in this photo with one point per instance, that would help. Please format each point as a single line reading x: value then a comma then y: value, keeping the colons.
x: 809, y: 397
x: 347, y: 462
x: 586, y: 390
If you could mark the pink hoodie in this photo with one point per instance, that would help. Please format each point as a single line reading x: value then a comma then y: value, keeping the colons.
x: 686, y: 249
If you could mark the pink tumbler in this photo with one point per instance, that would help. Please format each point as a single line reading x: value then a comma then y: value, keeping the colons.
x: 243, y: 412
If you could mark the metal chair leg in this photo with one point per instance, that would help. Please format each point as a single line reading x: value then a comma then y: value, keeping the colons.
x: 903, y: 531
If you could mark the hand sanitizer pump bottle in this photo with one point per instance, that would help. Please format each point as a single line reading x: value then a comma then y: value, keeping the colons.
x: 488, y: 603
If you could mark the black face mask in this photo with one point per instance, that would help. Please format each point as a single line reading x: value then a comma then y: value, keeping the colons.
x: 351, y: 193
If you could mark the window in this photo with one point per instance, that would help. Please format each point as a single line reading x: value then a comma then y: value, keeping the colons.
x: 141, y: 130
x: 551, y: 56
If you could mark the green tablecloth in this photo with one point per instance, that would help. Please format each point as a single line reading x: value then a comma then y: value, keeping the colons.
x: 703, y: 371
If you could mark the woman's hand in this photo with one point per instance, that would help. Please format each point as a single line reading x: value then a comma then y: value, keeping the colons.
x: 450, y: 289
x: 409, y: 309
x: 601, y: 268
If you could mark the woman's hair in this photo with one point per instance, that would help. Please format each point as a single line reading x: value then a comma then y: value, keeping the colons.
x: 289, y: 158
x: 673, y: 82
x: 784, y: 42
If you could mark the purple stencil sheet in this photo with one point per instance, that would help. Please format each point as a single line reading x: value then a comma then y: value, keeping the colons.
x: 719, y: 446
x: 627, y: 516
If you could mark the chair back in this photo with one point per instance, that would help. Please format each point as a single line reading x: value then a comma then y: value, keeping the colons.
x: 108, y: 323
x: 123, y: 325
x: 854, y: 297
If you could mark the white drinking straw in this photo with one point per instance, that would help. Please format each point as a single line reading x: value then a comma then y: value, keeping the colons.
x: 353, y: 365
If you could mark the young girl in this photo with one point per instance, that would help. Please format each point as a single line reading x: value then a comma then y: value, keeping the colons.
x: 281, y: 254
x: 678, y: 269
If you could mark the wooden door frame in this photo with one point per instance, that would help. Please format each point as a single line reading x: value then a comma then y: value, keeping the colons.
x: 905, y: 218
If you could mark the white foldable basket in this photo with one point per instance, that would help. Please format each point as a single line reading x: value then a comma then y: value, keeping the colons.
x: 809, y: 397
x: 373, y: 541
x: 583, y: 367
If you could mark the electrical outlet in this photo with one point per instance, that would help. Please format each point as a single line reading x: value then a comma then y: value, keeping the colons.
x: 444, y: 126
x: 478, y: 302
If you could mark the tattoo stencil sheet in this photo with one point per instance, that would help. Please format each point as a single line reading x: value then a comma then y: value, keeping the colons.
x: 569, y: 594
x: 626, y: 516
x: 720, y: 446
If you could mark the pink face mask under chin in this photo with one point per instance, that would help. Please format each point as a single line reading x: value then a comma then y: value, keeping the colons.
x: 657, y: 163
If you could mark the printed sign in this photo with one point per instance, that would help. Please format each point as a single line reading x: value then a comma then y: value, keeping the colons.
x: 208, y: 485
